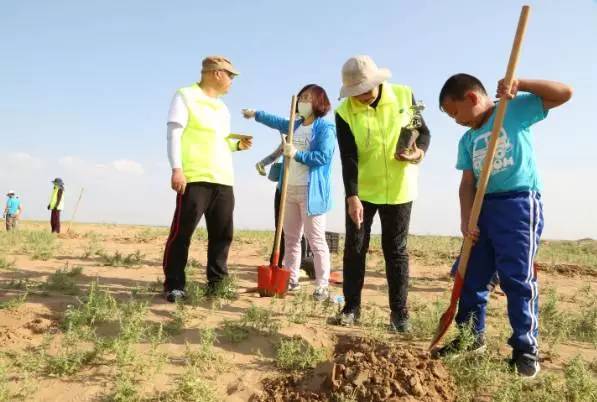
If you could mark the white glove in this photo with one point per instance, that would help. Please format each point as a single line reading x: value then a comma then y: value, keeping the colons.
x: 248, y: 113
x: 289, y: 150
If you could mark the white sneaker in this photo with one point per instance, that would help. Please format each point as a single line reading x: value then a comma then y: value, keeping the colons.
x: 321, y: 293
x: 293, y: 287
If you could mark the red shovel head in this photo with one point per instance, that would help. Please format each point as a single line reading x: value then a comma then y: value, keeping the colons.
x: 279, y: 284
x: 446, y: 319
x: 272, y: 280
x: 264, y: 279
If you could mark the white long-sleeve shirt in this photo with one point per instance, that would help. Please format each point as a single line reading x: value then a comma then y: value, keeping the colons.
x: 178, y: 116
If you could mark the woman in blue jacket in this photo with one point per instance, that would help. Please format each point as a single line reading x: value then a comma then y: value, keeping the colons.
x: 309, y: 183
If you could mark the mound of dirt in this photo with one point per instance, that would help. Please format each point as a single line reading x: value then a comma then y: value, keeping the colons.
x: 367, y: 371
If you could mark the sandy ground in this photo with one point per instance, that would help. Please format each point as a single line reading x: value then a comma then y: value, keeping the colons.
x: 248, y: 362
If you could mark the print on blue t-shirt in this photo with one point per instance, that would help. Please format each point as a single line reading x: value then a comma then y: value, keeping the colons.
x: 514, y: 167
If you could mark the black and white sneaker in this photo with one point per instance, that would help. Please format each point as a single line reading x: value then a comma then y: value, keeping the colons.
x: 348, y: 318
x: 399, y: 323
x: 525, y: 364
x: 458, y: 346
x: 175, y: 295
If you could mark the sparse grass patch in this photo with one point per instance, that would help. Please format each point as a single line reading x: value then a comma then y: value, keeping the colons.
x: 193, y: 263
x: 4, y: 391
x: 92, y: 248
x: 302, y: 306
x: 14, y: 303
x: 6, y: 264
x: 226, y: 289
x: 296, y: 354
x: 234, y: 332
x: 425, y: 316
x: 204, y: 356
x: 70, y: 359
x: 196, y: 293
x: 178, y: 319
x: 375, y: 322
x: 582, y: 253
x: 96, y: 307
x: 120, y: 260
x: 260, y: 319
x: 40, y: 245
x: 558, y: 325
x: 63, y: 280
x: 191, y: 387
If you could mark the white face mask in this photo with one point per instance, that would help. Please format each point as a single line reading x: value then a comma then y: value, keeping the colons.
x: 305, y: 109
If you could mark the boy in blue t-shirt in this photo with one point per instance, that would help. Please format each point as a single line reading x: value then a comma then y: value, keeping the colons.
x: 511, y: 220
x: 12, y: 211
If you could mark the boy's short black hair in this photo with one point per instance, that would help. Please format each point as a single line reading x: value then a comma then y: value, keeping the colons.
x: 458, y: 85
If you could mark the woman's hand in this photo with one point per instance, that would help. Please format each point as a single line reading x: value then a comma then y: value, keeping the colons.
x: 248, y: 113
x: 289, y: 150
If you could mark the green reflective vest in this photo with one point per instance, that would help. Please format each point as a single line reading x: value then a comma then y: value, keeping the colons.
x: 206, y: 148
x: 54, y: 199
x: 382, y: 179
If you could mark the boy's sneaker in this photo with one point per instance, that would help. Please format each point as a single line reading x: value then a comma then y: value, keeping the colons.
x: 399, y: 323
x: 293, y: 286
x: 175, y: 295
x: 457, y: 346
x: 321, y: 293
x: 260, y: 169
x: 525, y: 364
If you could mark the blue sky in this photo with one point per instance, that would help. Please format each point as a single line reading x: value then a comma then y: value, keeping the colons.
x: 85, y: 88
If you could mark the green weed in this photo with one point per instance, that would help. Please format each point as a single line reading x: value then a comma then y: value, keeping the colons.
x: 260, y: 319
x: 14, y: 303
x: 64, y: 281
x: 296, y: 354
x: 40, y: 245
x: 234, y: 332
x: 6, y: 264
x: 120, y: 260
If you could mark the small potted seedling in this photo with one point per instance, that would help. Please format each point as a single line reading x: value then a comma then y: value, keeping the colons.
x: 410, y: 132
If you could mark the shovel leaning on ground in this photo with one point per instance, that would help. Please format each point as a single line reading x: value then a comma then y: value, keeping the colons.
x: 272, y: 280
x: 448, y: 316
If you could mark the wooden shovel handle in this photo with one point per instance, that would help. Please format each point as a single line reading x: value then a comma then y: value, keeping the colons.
x: 497, y: 127
x: 282, y: 210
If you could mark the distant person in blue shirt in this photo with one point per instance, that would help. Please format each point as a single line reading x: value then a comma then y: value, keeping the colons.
x: 12, y: 211
x: 511, y: 220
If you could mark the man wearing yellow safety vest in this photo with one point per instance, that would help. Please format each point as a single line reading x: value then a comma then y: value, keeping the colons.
x: 56, y: 204
x: 377, y: 178
x: 200, y: 155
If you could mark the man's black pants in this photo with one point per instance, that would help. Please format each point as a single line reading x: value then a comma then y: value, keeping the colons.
x: 216, y: 202
x: 395, y: 220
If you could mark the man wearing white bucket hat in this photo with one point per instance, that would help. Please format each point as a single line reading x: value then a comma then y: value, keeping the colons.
x: 377, y: 178
x: 12, y: 211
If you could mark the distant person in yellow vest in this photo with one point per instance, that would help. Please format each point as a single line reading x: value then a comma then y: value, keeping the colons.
x: 56, y: 204
x: 200, y: 155
x: 377, y: 179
